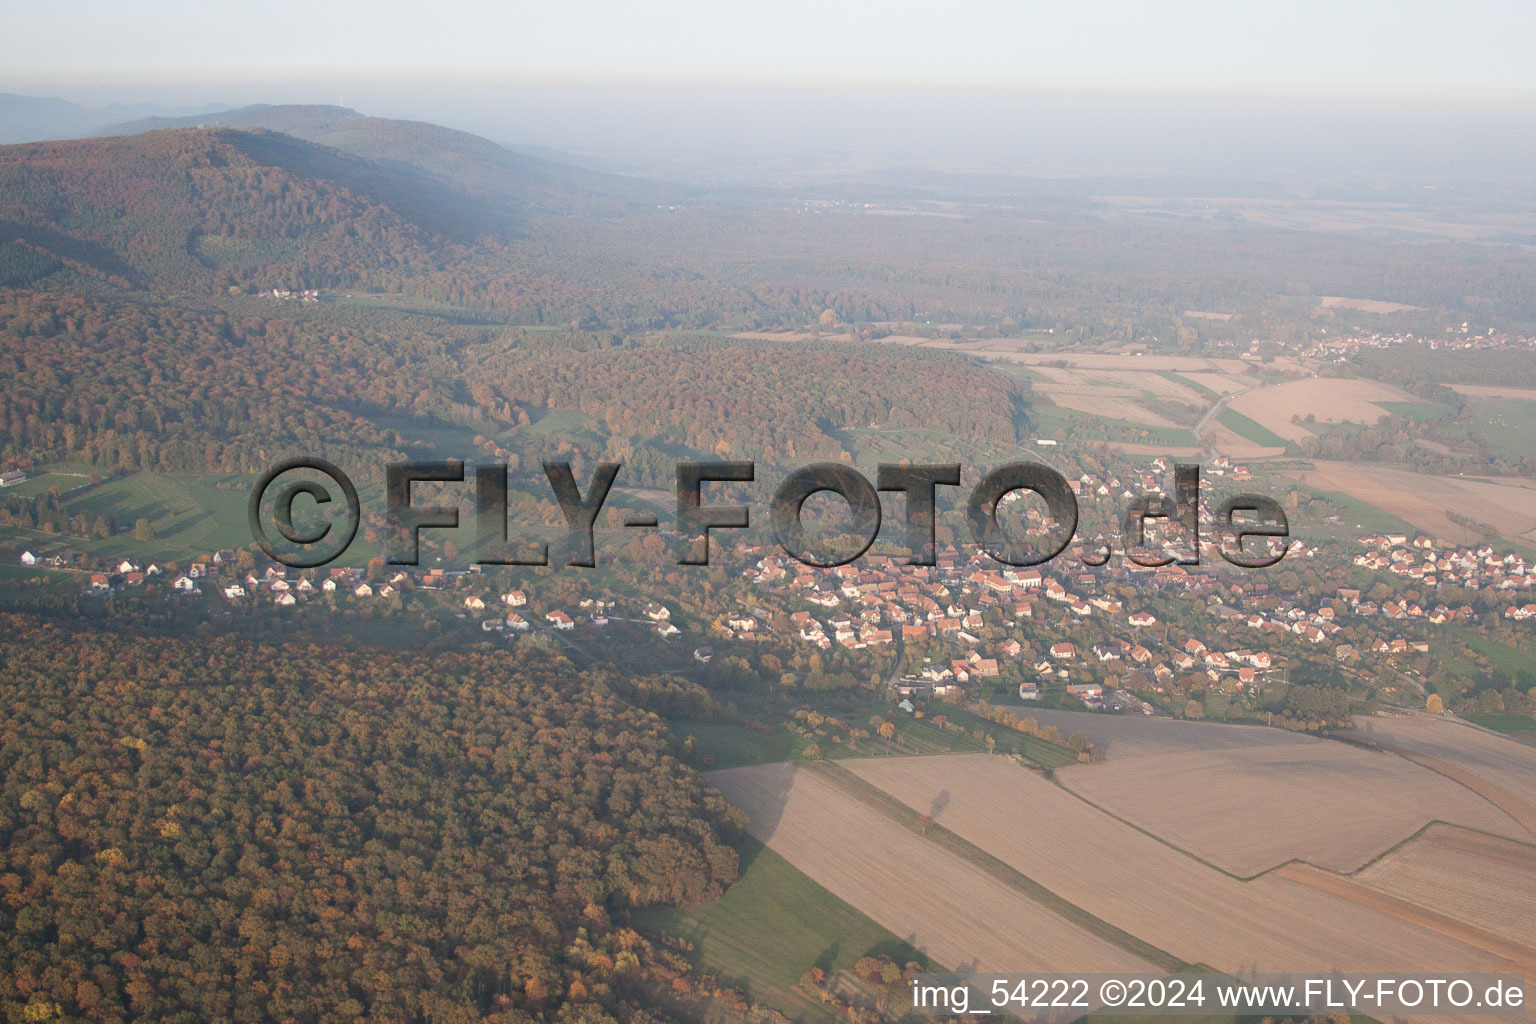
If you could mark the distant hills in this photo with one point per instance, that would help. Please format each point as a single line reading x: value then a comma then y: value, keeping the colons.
x: 476, y: 165
x: 226, y: 207
x: 37, y: 118
x: 269, y: 196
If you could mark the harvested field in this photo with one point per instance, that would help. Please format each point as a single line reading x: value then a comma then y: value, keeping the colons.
x: 1449, y: 870
x: 1136, y: 448
x: 1110, y: 361
x: 1486, y: 757
x: 1116, y: 407
x: 1364, y: 305
x: 1120, y: 394
x: 1230, y: 443
x: 950, y: 910
x: 1222, y: 383
x: 1151, y: 890
x: 1122, y: 737
x: 1251, y: 798
x: 1483, y: 391
x: 773, y: 335
x: 1451, y: 926
x: 1121, y: 382
x: 1507, y: 504
x: 1329, y: 400
x: 1250, y: 809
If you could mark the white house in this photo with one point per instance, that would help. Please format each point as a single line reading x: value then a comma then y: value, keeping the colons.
x: 233, y: 591
x: 28, y: 558
x: 185, y: 584
x: 514, y: 599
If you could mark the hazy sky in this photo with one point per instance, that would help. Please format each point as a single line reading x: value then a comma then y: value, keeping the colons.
x: 1312, y: 46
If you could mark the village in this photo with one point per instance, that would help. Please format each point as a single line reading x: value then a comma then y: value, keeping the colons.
x: 968, y: 626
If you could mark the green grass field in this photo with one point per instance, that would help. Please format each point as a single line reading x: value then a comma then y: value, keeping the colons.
x: 1418, y: 412
x: 1049, y: 420
x: 730, y: 746
x: 774, y: 925
x: 871, y: 446
x: 1505, y: 723
x: 1505, y: 658
x: 1505, y: 425
x: 1204, y: 392
x: 191, y: 514
x: 1361, y: 517
x: 65, y: 476
x: 1250, y: 429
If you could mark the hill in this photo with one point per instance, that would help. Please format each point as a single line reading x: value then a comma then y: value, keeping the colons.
x: 477, y: 165
x: 35, y: 118
x: 220, y: 207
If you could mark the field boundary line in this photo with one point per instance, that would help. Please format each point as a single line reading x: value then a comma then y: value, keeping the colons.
x: 1523, y: 813
x: 1355, y: 892
x: 881, y: 801
x: 1154, y: 836
x: 1398, y: 847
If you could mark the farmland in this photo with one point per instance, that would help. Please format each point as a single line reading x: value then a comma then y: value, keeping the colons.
x: 191, y: 514
x: 950, y: 910
x: 1326, y: 400
x: 1513, y: 724
x: 1496, y: 760
x: 1506, y: 424
x: 1490, y: 391
x: 1157, y: 893
x: 1423, y: 500
x: 1250, y: 798
x: 1118, y: 394
x: 1250, y: 809
x: 1249, y: 429
x: 1364, y: 305
x: 774, y: 925
x: 1447, y: 870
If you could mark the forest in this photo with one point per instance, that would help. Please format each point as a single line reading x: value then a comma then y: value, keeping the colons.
x: 228, y: 830
x: 131, y: 385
